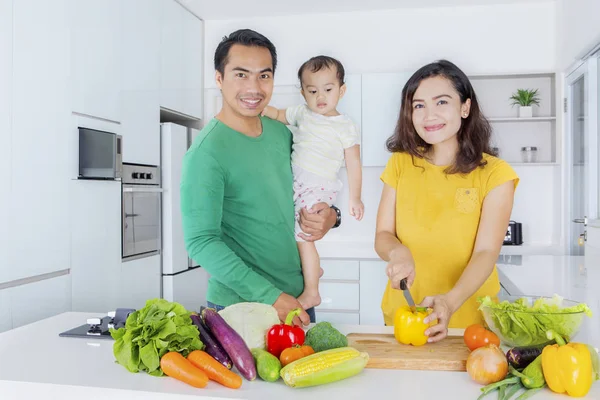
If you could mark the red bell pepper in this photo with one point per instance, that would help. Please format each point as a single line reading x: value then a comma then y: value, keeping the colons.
x: 283, y: 336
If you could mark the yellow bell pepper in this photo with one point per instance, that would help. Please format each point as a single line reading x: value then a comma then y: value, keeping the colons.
x: 409, y: 327
x: 567, y: 367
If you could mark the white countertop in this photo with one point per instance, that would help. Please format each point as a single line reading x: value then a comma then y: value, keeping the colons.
x: 37, y: 362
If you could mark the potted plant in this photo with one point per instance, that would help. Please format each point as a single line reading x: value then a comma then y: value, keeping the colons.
x: 525, y: 99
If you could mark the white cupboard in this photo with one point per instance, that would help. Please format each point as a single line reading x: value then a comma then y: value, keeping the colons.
x: 140, y: 281
x: 35, y: 301
x: 5, y: 134
x: 140, y: 69
x: 373, y: 281
x: 5, y: 312
x: 381, y: 99
x: 39, y: 210
x: 96, y: 42
x: 181, y: 60
x: 95, y: 244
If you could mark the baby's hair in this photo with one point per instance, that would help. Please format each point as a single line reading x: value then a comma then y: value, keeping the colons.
x: 318, y: 63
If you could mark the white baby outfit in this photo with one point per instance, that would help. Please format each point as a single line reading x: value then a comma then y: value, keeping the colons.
x: 317, y: 155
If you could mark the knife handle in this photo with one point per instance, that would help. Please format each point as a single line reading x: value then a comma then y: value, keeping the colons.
x: 403, y: 284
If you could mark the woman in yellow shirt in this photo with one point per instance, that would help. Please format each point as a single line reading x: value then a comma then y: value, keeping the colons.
x: 446, y: 201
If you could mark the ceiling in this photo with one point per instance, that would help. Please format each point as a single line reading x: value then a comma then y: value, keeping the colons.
x: 236, y: 9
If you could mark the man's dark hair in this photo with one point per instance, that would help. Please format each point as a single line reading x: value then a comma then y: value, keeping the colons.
x: 244, y: 37
x: 318, y: 63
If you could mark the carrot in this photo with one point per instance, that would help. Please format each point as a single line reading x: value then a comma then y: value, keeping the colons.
x: 177, y: 366
x: 214, y: 369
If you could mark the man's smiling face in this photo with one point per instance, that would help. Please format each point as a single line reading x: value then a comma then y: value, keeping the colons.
x: 247, y: 80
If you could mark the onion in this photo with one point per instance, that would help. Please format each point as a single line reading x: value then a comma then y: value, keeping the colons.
x: 487, y: 365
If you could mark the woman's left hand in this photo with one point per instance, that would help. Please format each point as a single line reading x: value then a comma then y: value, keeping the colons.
x: 442, y: 312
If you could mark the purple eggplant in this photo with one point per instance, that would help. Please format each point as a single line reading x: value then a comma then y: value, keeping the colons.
x: 521, y: 357
x: 212, y: 346
x: 231, y: 342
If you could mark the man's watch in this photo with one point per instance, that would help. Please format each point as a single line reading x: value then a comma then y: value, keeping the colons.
x: 338, y: 214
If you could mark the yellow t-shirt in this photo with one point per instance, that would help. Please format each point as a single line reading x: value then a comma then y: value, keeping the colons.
x: 437, y: 216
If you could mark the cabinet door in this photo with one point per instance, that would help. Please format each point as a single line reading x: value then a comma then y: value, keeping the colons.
x: 337, y: 318
x: 141, y: 126
x: 39, y: 300
x: 40, y: 158
x: 351, y: 103
x: 192, y: 64
x: 96, y: 42
x: 95, y: 245
x: 140, y: 281
x: 5, y: 133
x: 373, y: 281
x: 171, y: 56
x: 5, y: 313
x: 381, y: 99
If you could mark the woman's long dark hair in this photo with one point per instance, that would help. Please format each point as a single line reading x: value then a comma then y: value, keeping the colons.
x: 475, y: 132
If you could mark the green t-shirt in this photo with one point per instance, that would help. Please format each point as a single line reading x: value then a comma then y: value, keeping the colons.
x: 238, y: 213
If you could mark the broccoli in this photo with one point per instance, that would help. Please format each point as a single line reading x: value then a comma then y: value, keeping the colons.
x: 323, y: 336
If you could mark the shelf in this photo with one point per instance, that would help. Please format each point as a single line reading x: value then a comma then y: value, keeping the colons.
x: 517, y: 119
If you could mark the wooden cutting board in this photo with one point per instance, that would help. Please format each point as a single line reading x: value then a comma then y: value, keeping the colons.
x: 385, y: 352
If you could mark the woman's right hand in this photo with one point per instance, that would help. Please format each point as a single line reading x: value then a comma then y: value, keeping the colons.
x: 400, y: 266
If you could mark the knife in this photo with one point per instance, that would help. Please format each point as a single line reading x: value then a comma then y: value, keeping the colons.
x: 407, y: 296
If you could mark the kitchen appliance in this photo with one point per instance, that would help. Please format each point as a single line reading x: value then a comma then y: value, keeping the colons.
x: 183, y: 280
x: 514, y: 234
x: 141, y: 211
x: 100, y: 154
x: 385, y: 352
x: 407, y: 295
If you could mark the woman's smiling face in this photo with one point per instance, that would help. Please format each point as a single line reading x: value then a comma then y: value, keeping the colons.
x: 437, y: 110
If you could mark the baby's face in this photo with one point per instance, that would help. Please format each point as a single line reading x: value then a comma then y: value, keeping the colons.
x: 322, y: 91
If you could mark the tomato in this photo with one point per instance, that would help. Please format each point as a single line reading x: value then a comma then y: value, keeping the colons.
x: 477, y: 336
x: 294, y: 353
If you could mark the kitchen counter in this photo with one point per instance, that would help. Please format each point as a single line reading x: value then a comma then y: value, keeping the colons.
x: 37, y: 362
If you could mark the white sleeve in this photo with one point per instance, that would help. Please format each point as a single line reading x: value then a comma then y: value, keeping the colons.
x: 295, y: 114
x: 350, y: 136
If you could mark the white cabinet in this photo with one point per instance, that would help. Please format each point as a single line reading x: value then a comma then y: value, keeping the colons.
x: 351, y: 103
x: 181, y: 57
x: 192, y: 65
x: 95, y: 244
x: 339, y: 296
x: 140, y: 281
x: 338, y: 317
x: 187, y: 288
x: 35, y: 301
x: 39, y: 211
x: 373, y: 281
x: 340, y: 269
x: 5, y: 313
x: 5, y: 134
x: 381, y: 99
x: 96, y: 42
x: 140, y: 69
x: 141, y: 127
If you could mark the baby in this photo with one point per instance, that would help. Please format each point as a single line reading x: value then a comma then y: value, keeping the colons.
x: 323, y: 140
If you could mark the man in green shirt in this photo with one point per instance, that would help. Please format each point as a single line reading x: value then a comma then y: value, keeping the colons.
x: 236, y: 190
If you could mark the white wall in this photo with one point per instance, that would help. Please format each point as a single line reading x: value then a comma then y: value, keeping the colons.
x: 579, y: 26
x: 480, y: 39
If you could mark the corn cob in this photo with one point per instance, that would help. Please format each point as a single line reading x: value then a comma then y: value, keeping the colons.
x: 324, y: 367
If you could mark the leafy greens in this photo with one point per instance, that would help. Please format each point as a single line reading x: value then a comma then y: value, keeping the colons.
x: 149, y: 333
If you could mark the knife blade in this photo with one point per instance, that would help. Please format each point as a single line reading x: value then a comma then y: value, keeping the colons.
x: 407, y: 295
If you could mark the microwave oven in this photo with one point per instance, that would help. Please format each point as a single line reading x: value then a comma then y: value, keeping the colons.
x: 100, y: 154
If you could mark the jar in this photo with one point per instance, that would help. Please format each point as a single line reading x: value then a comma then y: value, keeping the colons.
x: 529, y: 154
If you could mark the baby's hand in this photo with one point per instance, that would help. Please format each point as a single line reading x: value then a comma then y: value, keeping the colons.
x: 269, y: 112
x: 357, y: 208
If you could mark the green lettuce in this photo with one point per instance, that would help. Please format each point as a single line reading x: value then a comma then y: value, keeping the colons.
x: 151, y: 332
x: 526, y: 324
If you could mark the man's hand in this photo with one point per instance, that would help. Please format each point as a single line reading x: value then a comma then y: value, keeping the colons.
x: 316, y: 222
x: 286, y: 303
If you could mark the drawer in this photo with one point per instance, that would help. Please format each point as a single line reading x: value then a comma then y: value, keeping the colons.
x: 338, y: 318
x: 339, y: 296
x: 340, y: 269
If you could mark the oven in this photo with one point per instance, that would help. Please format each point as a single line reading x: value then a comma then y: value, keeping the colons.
x: 141, y: 211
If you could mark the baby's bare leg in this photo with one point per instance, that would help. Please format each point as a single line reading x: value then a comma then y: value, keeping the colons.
x: 311, y: 270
